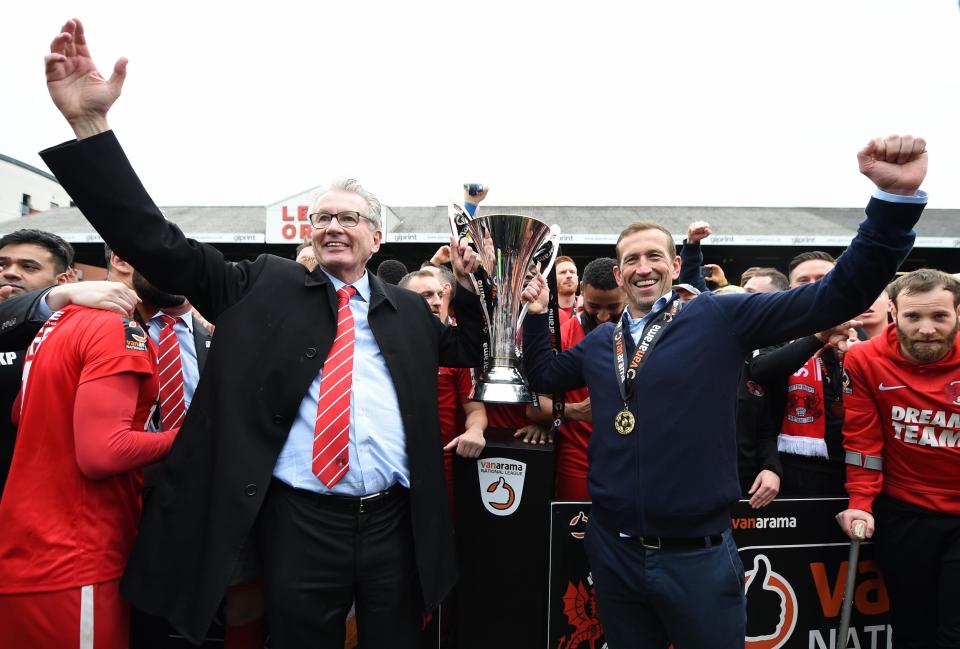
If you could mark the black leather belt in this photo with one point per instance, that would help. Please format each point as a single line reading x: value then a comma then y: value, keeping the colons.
x: 351, y: 504
x: 668, y: 543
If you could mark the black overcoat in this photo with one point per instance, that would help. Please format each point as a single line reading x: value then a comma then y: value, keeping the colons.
x: 275, y: 323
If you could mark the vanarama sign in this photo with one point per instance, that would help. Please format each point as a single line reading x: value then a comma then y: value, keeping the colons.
x: 763, y: 522
x: 501, y: 484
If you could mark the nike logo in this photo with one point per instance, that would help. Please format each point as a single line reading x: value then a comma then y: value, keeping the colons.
x: 890, y: 387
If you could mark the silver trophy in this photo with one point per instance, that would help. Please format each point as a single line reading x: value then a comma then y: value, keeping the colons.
x: 512, y: 248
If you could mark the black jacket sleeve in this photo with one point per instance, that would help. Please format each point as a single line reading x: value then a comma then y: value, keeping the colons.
x: 772, y: 366
x: 691, y: 260
x: 19, y: 321
x: 97, y: 175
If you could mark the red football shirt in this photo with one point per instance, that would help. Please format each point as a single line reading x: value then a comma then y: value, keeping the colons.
x: 61, y: 529
x: 574, y: 436
x: 454, y: 386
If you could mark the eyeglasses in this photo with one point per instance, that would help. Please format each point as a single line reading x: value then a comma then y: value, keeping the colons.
x: 321, y: 220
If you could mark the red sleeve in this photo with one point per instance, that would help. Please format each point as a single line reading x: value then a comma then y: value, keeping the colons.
x: 112, y: 344
x: 862, y: 431
x: 102, y: 427
x: 464, y: 381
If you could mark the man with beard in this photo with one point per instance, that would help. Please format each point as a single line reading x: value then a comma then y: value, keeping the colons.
x: 567, y: 283
x: 662, y: 384
x: 71, y: 509
x: 902, y: 441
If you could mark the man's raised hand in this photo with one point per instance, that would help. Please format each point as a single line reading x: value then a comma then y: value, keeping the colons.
x: 698, y: 231
x: 76, y: 86
x: 896, y: 164
x: 464, y: 260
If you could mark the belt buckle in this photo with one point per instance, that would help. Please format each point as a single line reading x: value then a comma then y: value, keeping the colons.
x: 651, y: 546
x: 364, y: 499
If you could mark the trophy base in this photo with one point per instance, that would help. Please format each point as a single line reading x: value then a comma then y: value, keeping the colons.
x: 502, y: 385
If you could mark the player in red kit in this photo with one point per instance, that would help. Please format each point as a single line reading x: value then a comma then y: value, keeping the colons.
x: 567, y: 284
x: 71, y: 508
x: 462, y: 421
x: 902, y: 442
x: 603, y: 301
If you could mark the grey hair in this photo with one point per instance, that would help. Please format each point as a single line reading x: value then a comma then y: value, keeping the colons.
x: 351, y: 185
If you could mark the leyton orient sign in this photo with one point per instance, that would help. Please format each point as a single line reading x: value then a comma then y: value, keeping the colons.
x: 287, y: 220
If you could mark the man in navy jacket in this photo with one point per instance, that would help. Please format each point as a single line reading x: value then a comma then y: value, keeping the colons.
x: 663, y: 459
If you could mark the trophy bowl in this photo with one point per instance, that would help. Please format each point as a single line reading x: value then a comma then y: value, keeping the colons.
x: 512, y: 248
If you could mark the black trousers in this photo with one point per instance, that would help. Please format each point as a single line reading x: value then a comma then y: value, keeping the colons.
x: 319, y: 558
x: 919, y: 551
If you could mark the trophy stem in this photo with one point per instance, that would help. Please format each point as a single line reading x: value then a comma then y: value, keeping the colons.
x: 502, y: 384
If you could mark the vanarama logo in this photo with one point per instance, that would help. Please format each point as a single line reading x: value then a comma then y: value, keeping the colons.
x: 771, y: 606
x: 763, y: 522
x: 579, y: 524
x: 501, y: 484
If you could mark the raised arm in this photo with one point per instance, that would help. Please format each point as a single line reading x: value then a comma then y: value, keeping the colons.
x: 21, y: 316
x: 691, y: 256
x: 96, y: 173
x: 897, y: 166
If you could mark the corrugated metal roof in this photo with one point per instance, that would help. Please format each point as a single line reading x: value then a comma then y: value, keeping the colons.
x: 759, y: 226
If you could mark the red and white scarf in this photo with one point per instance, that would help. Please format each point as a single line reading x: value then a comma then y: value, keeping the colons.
x: 803, y: 427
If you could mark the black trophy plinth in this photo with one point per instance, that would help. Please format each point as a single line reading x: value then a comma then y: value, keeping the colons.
x: 503, y: 537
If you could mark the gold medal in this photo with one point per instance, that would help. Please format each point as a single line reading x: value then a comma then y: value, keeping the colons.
x: 624, y: 421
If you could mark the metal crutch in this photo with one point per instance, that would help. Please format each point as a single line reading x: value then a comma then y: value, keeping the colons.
x: 859, y: 533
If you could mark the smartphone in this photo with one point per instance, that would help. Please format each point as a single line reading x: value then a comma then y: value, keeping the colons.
x: 706, y: 272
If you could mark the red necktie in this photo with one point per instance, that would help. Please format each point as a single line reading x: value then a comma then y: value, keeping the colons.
x: 332, y: 431
x: 172, y: 406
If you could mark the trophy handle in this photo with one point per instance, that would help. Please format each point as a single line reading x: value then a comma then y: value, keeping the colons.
x: 553, y: 240
x: 459, y: 220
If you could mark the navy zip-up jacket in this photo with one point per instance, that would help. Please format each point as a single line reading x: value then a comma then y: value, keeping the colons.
x: 675, y: 475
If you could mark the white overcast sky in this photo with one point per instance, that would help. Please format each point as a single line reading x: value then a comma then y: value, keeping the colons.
x: 649, y: 102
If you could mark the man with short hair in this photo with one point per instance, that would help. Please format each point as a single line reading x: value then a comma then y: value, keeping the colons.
x: 902, y: 441
x: 602, y: 302
x: 29, y: 260
x: 314, y: 424
x: 32, y: 259
x: 391, y: 271
x: 758, y: 420
x: 72, y: 505
x: 462, y: 421
x: 447, y: 284
x: 567, y: 283
x: 803, y: 379
x: 662, y: 382
x: 809, y: 267
x: 766, y: 280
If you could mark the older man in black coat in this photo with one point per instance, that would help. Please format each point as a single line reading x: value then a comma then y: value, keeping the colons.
x: 379, y: 531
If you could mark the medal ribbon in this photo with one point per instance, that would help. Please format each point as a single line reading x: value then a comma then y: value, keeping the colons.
x: 651, y: 335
